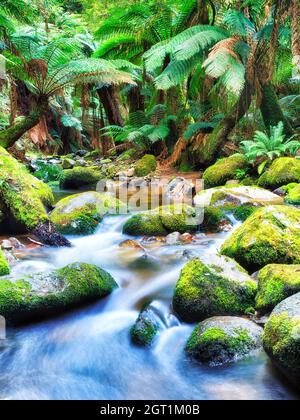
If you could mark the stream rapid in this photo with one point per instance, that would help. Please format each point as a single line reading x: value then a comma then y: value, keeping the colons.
x: 88, y: 354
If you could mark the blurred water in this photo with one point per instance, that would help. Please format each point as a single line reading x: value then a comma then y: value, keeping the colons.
x: 87, y: 354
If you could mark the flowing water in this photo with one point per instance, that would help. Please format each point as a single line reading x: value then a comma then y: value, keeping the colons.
x: 87, y: 354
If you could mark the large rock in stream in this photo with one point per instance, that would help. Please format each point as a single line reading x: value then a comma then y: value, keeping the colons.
x: 24, y: 200
x: 282, y: 338
x: 224, y: 170
x: 80, y: 177
x: 216, y: 286
x: 221, y: 340
x: 283, y: 171
x: 80, y: 214
x: 45, y: 294
x: 270, y: 236
x: 276, y: 282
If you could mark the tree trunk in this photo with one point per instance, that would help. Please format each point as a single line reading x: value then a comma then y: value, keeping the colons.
x: 216, y: 140
x: 296, y: 37
x: 111, y: 105
x: 12, y: 134
x: 270, y: 109
x: 136, y: 100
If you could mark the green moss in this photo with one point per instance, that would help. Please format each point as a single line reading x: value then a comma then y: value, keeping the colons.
x: 293, y: 196
x: 276, y: 283
x: 282, y: 339
x: 128, y: 154
x: 81, y: 213
x: 144, y: 224
x: 205, y: 290
x: 243, y: 212
x: 222, y: 340
x: 43, y: 294
x: 23, y: 195
x: 223, y: 171
x: 214, y: 218
x: 4, y: 266
x: 145, y: 166
x: 283, y: 171
x: 270, y: 235
x: 161, y: 221
x: 80, y: 177
x: 145, y: 328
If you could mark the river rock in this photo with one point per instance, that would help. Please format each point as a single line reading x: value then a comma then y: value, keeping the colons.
x: 7, y: 245
x: 80, y: 177
x: 46, y: 294
x: 293, y: 195
x: 224, y: 170
x: 68, y: 163
x: 282, y: 338
x: 179, y: 188
x: 283, y: 171
x: 173, y: 238
x: 213, y: 285
x: 146, y: 326
x: 145, y: 166
x: 186, y: 238
x: 270, y: 235
x: 161, y: 221
x: 80, y: 214
x: 275, y: 283
x: 221, y: 340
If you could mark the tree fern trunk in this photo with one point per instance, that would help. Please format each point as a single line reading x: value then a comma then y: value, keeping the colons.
x: 219, y: 136
x: 111, y: 105
x: 270, y: 109
x: 296, y: 37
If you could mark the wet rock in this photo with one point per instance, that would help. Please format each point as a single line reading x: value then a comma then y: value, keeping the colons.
x: 68, y: 163
x: 81, y: 153
x: 80, y: 163
x: 271, y: 235
x: 7, y: 245
x: 221, y: 340
x: 146, y: 327
x: 173, y: 238
x: 130, y: 244
x: 186, y: 238
x: 46, y: 294
x: 282, y: 338
x: 81, y: 213
x: 293, y: 195
x: 213, y: 285
x: 179, y: 188
x: 275, y: 283
x: 145, y: 165
x: 16, y: 244
x: 80, y: 177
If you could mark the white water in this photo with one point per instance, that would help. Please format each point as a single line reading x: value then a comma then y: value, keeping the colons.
x: 87, y: 354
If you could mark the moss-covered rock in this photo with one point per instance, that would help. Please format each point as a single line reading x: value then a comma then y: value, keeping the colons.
x: 23, y: 195
x: 276, y: 282
x: 293, y: 195
x: 80, y: 214
x: 282, y: 338
x: 270, y: 235
x: 146, y: 165
x: 80, y: 177
x: 46, y: 294
x: 218, y: 286
x: 146, y: 327
x: 223, y: 171
x: 4, y: 266
x: 283, y: 171
x: 215, y: 219
x: 221, y: 340
x: 161, y: 221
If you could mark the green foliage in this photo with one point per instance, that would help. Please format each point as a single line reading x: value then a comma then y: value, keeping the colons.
x: 47, y: 172
x: 270, y: 146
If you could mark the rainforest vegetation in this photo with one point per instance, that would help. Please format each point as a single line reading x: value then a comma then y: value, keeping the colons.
x: 131, y: 91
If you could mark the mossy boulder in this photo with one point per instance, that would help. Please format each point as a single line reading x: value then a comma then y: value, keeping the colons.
x: 282, y: 338
x: 146, y: 327
x: 145, y: 165
x: 215, y: 220
x: 4, y: 266
x: 276, y: 282
x: 234, y: 196
x: 24, y: 196
x: 80, y: 214
x: 46, y: 294
x: 80, y: 177
x: 221, y: 340
x: 283, y: 171
x: 293, y: 195
x: 223, y: 171
x: 218, y: 286
x: 161, y: 221
x: 271, y: 235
